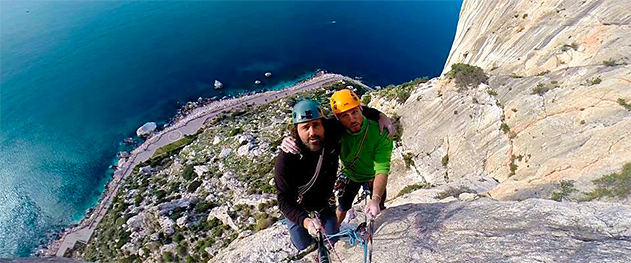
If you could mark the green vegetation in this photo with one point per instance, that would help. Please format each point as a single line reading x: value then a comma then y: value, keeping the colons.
x: 582, y: 122
x: 445, y: 160
x: 524, y: 16
x: 594, y: 81
x: 160, y: 194
x: 504, y: 127
x: 235, y: 131
x: 167, y: 257
x: 187, y: 173
x: 540, y: 89
x: 610, y: 62
x: 173, y: 147
x: 615, y: 185
x: 515, y: 76
x: 467, y: 75
x: 366, y: 98
x: 178, y: 238
x: 411, y: 188
x: 343, y: 85
x: 512, y: 166
x: 203, y: 207
x: 491, y: 92
x: 193, y: 186
x: 624, y: 104
x: 182, y: 249
x: 566, y: 187
x: 408, y: 158
x: 402, y: 92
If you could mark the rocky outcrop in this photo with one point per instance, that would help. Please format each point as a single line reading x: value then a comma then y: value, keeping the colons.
x: 552, y: 108
x: 146, y: 129
x: 483, y: 230
x: 486, y: 230
x: 528, y: 37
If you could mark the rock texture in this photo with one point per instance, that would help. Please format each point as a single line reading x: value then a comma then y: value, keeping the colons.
x: 484, y: 230
x: 492, y: 231
x: 577, y: 50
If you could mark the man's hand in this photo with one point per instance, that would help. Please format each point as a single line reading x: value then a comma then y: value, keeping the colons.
x: 384, y: 122
x: 312, y: 225
x: 372, y: 208
x: 289, y: 145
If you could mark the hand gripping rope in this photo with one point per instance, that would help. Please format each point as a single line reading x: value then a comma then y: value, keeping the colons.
x: 362, y: 234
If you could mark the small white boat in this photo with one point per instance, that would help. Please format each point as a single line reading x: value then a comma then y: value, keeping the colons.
x: 268, y: 74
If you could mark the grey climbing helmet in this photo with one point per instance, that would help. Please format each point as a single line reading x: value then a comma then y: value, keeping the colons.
x: 306, y: 110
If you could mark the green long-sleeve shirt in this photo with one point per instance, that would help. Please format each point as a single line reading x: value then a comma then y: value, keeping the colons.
x: 374, y: 157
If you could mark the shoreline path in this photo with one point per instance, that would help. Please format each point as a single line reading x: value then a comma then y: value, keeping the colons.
x: 188, y: 125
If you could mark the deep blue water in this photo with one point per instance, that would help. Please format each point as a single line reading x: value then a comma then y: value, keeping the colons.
x: 77, y: 77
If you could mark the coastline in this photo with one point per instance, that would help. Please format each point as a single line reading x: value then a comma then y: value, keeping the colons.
x: 186, y: 123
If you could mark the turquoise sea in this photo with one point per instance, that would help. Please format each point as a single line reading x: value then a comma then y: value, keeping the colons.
x: 78, y: 77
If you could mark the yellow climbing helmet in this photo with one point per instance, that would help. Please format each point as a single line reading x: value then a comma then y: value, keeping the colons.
x: 343, y: 100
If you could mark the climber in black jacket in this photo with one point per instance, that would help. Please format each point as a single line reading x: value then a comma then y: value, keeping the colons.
x: 304, y: 182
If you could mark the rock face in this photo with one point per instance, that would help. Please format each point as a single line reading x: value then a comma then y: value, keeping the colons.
x: 492, y: 231
x: 528, y: 37
x: 269, y: 245
x: 577, y: 54
x: 484, y: 230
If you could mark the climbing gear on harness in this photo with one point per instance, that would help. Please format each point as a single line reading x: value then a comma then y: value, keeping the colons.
x: 303, y: 189
x: 328, y: 240
x: 305, y: 110
x: 340, y: 184
x: 344, y: 100
x: 364, y: 233
x: 323, y: 253
x: 370, y: 226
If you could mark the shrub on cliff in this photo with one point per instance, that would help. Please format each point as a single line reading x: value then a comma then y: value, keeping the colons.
x: 467, y: 75
x: 401, y: 92
x: 366, y: 98
x: 566, y: 187
x: 187, y: 173
x: 193, y: 186
x: 540, y: 89
x: 615, y: 185
x: 624, y: 103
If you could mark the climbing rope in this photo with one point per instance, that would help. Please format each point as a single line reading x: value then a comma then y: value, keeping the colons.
x: 328, y: 240
x: 365, y: 230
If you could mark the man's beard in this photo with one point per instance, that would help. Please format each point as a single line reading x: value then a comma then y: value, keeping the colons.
x: 314, y: 142
x: 355, y: 127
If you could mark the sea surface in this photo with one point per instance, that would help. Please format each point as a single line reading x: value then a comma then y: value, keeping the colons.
x: 78, y: 77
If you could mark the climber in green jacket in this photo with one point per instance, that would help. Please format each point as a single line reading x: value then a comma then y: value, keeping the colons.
x: 365, y: 154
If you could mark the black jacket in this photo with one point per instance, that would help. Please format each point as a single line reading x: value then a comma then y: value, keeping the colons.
x: 295, y: 170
